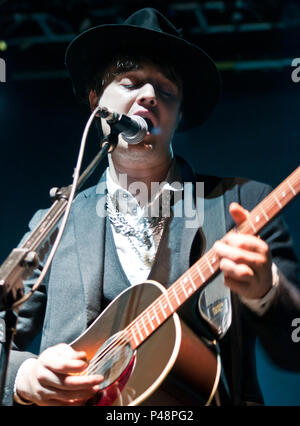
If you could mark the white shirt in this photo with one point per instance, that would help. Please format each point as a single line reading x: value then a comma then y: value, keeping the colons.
x: 136, y: 258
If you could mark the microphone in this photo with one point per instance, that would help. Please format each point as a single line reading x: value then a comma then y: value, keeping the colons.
x: 133, y: 129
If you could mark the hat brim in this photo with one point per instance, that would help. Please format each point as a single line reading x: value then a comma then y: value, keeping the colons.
x: 200, y: 77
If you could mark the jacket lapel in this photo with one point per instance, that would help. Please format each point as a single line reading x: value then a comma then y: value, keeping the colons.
x: 188, y: 215
x: 89, y: 228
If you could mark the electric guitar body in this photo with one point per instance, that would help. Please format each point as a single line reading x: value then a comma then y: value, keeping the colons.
x: 141, y: 376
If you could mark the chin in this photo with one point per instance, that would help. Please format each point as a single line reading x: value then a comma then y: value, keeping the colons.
x: 148, y: 140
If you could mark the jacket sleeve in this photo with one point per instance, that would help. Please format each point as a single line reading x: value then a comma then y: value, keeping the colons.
x: 274, y: 328
x: 29, y: 324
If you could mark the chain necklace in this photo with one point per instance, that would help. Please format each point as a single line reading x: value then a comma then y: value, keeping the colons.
x: 138, y: 238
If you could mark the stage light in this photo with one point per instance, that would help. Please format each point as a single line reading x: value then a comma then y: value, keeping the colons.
x: 3, y: 46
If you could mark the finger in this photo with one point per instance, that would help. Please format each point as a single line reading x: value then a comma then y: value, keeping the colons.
x: 66, y: 351
x: 64, y: 366
x: 237, y: 286
x: 57, y: 403
x: 70, y: 395
x: 238, y: 213
x: 49, y: 379
x: 63, y: 359
x: 81, y: 382
x: 241, y: 273
x: 240, y: 256
x: 247, y: 242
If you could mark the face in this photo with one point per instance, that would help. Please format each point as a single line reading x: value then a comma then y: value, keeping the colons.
x: 149, y: 93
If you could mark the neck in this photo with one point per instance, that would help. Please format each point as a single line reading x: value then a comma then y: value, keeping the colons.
x: 146, y: 173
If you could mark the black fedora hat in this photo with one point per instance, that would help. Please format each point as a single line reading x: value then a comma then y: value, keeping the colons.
x: 148, y: 30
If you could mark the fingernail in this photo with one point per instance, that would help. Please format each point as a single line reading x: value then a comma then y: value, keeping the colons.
x: 96, y: 388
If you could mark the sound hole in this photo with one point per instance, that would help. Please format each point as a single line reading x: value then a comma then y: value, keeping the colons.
x: 111, y: 360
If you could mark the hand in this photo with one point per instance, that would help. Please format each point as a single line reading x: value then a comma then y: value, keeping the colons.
x: 51, y: 378
x: 245, y: 260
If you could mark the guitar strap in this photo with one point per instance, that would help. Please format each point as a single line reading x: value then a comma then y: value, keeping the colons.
x: 214, y: 302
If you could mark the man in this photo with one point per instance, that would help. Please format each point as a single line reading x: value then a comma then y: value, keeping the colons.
x: 173, y: 85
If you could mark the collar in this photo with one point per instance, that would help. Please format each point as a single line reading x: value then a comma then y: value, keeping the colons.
x: 128, y: 204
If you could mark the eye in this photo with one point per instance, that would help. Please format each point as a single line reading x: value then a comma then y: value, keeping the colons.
x: 166, y: 93
x: 128, y: 83
x: 129, y: 86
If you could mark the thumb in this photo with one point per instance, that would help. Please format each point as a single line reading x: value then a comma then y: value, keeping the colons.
x: 238, y: 213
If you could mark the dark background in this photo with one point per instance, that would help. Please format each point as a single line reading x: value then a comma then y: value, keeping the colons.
x: 254, y: 131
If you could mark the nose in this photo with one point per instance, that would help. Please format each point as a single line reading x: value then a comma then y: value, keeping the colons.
x: 146, y: 96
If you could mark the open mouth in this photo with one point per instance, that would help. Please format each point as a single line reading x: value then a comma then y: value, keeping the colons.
x: 149, y: 124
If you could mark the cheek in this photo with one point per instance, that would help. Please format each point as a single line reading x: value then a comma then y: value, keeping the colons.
x: 114, y: 99
x: 115, y: 102
x: 171, y: 118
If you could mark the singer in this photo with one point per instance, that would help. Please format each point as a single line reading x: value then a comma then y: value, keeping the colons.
x: 144, y: 68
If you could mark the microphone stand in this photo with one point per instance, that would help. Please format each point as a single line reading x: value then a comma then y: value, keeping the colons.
x: 23, y: 260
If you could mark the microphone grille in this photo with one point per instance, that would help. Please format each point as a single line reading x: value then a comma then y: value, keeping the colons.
x: 138, y: 135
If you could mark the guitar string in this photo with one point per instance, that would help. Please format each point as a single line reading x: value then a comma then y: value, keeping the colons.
x: 124, y: 338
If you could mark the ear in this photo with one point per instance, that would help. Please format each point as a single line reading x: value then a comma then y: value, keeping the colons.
x: 93, y: 99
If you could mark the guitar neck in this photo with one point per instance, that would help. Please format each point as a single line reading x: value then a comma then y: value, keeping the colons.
x: 208, y: 265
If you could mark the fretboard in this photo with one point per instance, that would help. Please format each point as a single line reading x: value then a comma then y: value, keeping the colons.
x: 208, y: 265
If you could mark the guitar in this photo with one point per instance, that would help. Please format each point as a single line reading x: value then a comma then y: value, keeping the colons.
x: 138, y: 339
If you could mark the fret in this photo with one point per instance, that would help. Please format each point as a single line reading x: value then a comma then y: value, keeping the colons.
x: 176, y: 296
x: 187, y: 289
x: 162, y: 309
x: 291, y: 187
x: 252, y: 225
x: 183, y: 286
x: 134, y: 337
x: 150, y: 321
x: 200, y: 273
x: 144, y: 325
x: 171, y: 306
x: 264, y: 213
x: 277, y: 201
x: 169, y: 303
x: 192, y: 281
x: 209, y: 264
x: 139, y: 331
x: 156, y: 316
